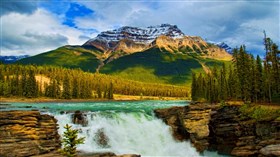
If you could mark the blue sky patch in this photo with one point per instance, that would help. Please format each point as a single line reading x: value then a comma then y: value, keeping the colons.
x: 75, y: 10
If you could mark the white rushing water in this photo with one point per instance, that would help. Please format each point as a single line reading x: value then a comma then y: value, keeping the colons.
x: 124, y: 133
x: 121, y: 127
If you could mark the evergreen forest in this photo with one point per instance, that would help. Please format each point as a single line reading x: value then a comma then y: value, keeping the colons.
x: 61, y: 83
x: 248, y: 78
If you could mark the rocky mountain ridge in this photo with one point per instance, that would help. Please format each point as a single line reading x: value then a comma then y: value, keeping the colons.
x: 139, y: 35
x: 167, y: 37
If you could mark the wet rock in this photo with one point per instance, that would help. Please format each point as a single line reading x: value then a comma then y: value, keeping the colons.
x: 27, y: 133
x: 101, y: 138
x: 79, y: 118
x: 171, y: 117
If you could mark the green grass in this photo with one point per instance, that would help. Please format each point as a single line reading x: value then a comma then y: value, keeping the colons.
x: 260, y: 112
x: 154, y: 66
x: 66, y: 56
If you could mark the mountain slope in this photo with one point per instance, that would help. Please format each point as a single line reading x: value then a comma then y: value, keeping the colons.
x: 157, y: 66
x: 67, y: 56
x: 159, y: 54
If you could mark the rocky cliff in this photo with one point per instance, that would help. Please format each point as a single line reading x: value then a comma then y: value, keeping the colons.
x: 27, y: 133
x: 225, y: 129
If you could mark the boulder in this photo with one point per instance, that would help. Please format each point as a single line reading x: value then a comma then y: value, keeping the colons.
x: 79, y: 118
x: 101, y: 138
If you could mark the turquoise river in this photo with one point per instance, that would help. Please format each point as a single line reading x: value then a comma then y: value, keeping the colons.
x: 122, y: 127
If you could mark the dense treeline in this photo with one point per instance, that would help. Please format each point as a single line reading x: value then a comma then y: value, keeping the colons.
x: 248, y: 78
x: 56, y: 82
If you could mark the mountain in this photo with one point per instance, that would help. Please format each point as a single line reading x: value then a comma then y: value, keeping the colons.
x: 168, y: 37
x: 12, y: 59
x: 222, y: 45
x: 160, y: 54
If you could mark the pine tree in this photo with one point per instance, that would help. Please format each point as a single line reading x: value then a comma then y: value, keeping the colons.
x: 259, y: 83
x: 76, y: 88
x: 66, y: 94
x: 194, y: 87
x: 275, y: 68
x: 99, y: 94
x: 110, y: 91
x: 70, y: 141
x: 223, y: 83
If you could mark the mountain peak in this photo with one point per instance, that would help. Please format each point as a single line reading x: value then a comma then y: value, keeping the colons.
x: 143, y: 35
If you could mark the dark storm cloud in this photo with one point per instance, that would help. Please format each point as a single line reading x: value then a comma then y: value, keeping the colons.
x: 22, y: 7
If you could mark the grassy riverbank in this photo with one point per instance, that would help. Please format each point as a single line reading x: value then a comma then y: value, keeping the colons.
x: 117, y: 97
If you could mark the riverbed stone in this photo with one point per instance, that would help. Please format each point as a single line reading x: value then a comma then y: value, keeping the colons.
x: 79, y: 118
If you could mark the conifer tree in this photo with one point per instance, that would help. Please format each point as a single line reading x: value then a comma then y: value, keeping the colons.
x: 110, y: 91
x: 259, y: 83
x: 67, y: 94
x: 194, y: 87
x: 70, y: 141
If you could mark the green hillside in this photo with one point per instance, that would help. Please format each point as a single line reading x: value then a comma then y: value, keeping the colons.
x: 156, y: 66
x: 153, y: 65
x: 67, y: 56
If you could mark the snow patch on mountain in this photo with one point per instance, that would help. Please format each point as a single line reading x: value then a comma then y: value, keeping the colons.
x: 139, y: 35
x: 222, y: 45
x: 12, y: 59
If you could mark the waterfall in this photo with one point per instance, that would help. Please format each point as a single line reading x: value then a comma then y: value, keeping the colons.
x: 125, y: 133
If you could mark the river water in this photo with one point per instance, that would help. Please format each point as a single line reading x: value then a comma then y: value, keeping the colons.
x: 122, y: 127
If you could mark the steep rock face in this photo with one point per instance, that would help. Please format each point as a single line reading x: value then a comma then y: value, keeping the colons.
x: 225, y: 130
x: 171, y: 117
x: 188, y: 44
x: 26, y: 133
x: 195, y: 119
x: 237, y: 135
x: 127, y: 40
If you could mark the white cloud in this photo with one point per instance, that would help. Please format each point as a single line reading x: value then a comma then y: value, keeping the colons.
x: 35, y: 33
x: 235, y: 22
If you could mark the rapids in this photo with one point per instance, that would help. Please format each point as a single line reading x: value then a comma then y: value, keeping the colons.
x: 121, y: 127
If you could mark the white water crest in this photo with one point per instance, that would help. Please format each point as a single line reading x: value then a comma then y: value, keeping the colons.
x: 125, y: 133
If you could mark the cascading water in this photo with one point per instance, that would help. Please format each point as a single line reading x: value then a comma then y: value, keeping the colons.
x: 120, y: 127
x: 122, y: 133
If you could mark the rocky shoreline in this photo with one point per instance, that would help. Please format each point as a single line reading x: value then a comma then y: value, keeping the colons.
x: 223, y: 129
x: 209, y: 127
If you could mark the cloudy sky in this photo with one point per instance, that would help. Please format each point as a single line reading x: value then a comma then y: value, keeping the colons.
x: 32, y: 27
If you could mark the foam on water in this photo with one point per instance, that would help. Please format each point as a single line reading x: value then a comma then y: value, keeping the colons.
x: 135, y: 132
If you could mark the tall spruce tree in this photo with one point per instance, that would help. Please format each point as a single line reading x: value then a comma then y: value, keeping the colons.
x: 194, y: 87
x: 67, y: 88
